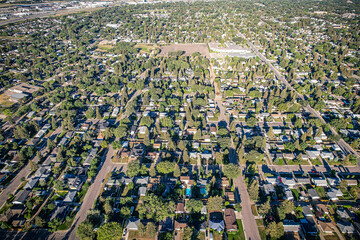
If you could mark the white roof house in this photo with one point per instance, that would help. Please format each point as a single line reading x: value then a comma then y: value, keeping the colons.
x: 334, y: 194
x: 313, y: 153
x: 313, y: 194
x: 142, y: 129
x: 320, y: 182
x: 70, y: 196
x: 290, y: 182
x: 327, y: 155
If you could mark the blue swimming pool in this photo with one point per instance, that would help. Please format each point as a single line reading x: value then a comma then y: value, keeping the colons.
x: 188, y: 192
x: 203, y: 191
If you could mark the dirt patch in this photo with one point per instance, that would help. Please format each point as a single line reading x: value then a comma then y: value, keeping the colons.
x: 188, y: 49
x: 5, y: 101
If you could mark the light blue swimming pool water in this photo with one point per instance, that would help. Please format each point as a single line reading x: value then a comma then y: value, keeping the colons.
x: 188, y: 192
x: 203, y: 191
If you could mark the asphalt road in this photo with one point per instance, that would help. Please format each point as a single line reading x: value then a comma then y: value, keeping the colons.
x: 90, y: 197
x: 241, y: 194
x: 248, y: 220
x: 24, y: 172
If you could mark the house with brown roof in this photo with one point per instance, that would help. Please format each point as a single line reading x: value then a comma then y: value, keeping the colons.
x: 225, y: 182
x: 213, y: 131
x: 180, y: 225
x: 157, y: 145
x: 192, y: 130
x: 180, y: 208
x: 229, y: 196
x: 326, y: 227
x: 186, y: 180
x: 230, y: 220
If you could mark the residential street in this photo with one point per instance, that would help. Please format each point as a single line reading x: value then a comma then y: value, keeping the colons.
x: 91, y: 195
x: 241, y: 194
x: 24, y: 172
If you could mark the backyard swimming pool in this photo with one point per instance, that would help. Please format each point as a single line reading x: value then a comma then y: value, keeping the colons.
x: 188, y: 192
x: 203, y: 191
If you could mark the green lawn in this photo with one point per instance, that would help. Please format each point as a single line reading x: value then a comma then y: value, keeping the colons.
x: 279, y: 161
x: 201, y: 236
x: 321, y: 192
x: 67, y: 223
x: 259, y: 222
x: 332, y: 237
x: 239, y: 235
x: 83, y: 191
x: 254, y: 210
x: 262, y: 233
x: 295, y: 193
x: 316, y: 162
x: 292, y: 162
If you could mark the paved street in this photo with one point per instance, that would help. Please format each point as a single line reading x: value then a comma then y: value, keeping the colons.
x: 91, y: 196
x: 24, y: 172
x: 250, y: 227
x: 241, y: 194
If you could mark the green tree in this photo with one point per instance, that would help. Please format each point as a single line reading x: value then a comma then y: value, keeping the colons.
x: 264, y: 209
x: 288, y: 206
x: 194, y: 205
x: 109, y: 231
x: 107, y: 207
x: 53, y: 123
x: 133, y: 168
x: 39, y: 222
x: 104, y: 144
x: 232, y: 170
x: 185, y: 156
x: 151, y: 229
x: 146, y: 121
x: 108, y: 133
x: 141, y: 229
x: 152, y: 171
x: 153, y: 207
x: 50, y: 144
x: 214, y: 204
x: 165, y: 167
x: 33, y: 166
x: 188, y: 233
x: 177, y: 171
x: 181, y: 145
x: 254, y: 156
x: 90, y: 113
x: 166, y: 236
x: 270, y: 133
x: 147, y: 138
x: 125, y: 212
x: 120, y: 132
x: 253, y: 189
x: 98, y: 114
x: 85, y: 231
x: 251, y: 121
x: 275, y: 230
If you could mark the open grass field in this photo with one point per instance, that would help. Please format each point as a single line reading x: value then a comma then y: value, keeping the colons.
x: 137, y: 235
x: 146, y: 47
x: 187, y: 48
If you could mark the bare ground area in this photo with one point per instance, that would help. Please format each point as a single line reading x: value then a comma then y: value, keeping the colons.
x: 189, y: 48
